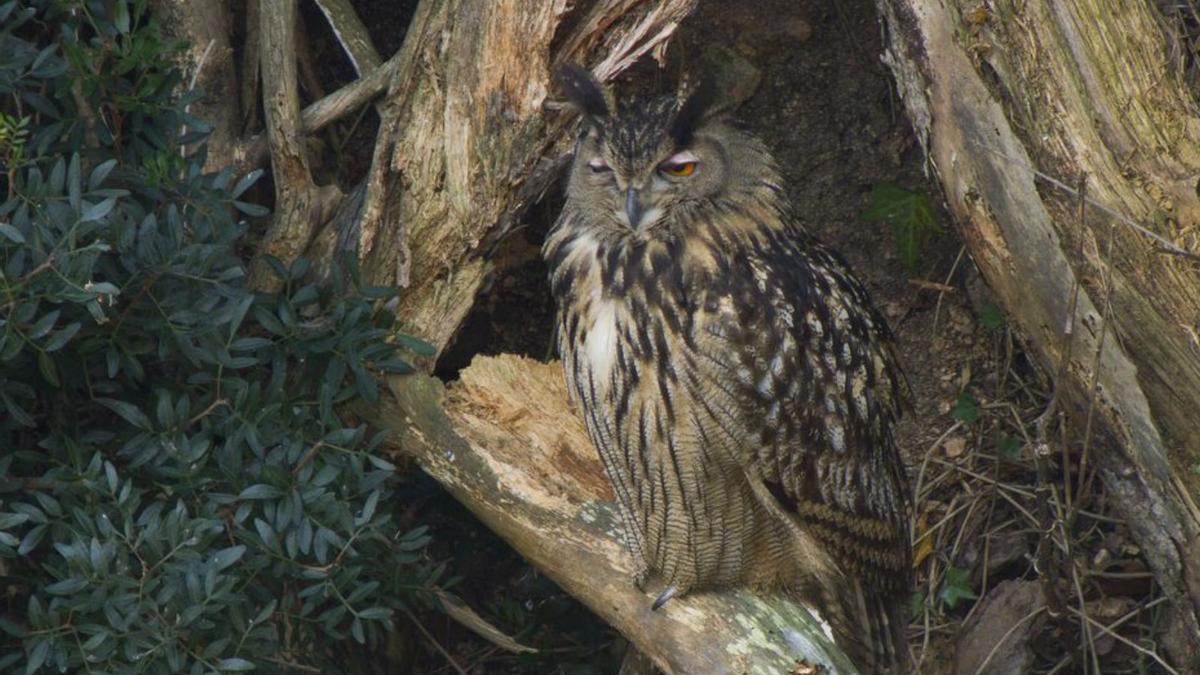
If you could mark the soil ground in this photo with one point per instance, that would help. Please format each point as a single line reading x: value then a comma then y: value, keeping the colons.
x: 826, y: 107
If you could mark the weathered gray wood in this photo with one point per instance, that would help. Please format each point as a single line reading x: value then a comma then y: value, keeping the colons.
x: 1071, y: 88
x: 505, y: 443
x: 251, y: 153
x: 207, y: 66
x: 462, y: 128
x: 351, y: 34
x: 300, y: 205
x: 465, y: 144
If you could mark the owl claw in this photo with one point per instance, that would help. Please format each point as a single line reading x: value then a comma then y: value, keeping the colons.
x: 640, y: 577
x: 663, y: 597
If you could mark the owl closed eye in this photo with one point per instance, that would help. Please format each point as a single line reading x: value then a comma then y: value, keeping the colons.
x: 734, y: 378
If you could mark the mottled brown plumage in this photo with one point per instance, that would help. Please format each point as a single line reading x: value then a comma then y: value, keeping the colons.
x: 732, y: 373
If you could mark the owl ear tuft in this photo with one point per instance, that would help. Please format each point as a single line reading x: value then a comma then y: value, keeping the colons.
x: 699, y: 104
x: 582, y: 90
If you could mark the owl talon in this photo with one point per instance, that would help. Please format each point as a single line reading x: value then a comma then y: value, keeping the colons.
x: 641, y: 577
x: 696, y: 311
x: 663, y: 597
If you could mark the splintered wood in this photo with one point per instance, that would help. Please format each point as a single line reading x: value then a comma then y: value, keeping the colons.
x: 506, y: 443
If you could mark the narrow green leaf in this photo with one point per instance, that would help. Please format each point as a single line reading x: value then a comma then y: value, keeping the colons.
x: 74, y: 184
x: 11, y: 520
x: 13, y: 629
x: 121, y: 20
x: 368, y: 510
x: 98, y: 211
x: 110, y: 475
x: 375, y: 613
x: 93, y: 643
x: 265, y: 531
x: 43, y: 325
x: 245, y: 183
x: 37, y: 656
x: 11, y: 233
x: 48, y: 369
x: 61, y: 338
x: 228, y: 556
x: 252, y: 210
x: 417, y: 345
x: 396, y: 367
x: 235, y: 665
x: 129, y: 412
x: 260, y: 491
x: 966, y: 409
x: 67, y: 586
x: 101, y: 172
x: 31, y: 539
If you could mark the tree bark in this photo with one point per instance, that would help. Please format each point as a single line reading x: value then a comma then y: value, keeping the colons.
x: 462, y: 128
x: 505, y: 443
x: 208, y: 66
x: 301, y: 206
x: 466, y: 143
x: 1019, y: 104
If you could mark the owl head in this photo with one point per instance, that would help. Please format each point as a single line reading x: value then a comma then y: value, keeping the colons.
x: 641, y: 161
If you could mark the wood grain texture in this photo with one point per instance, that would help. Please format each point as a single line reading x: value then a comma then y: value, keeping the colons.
x: 208, y: 67
x: 301, y: 206
x: 1071, y: 88
x: 505, y: 443
x: 462, y: 128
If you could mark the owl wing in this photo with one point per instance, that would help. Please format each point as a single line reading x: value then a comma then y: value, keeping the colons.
x: 807, y: 369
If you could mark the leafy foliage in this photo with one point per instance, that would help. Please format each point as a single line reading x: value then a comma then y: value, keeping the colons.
x: 991, y: 316
x: 1010, y: 448
x: 956, y: 586
x: 178, y: 489
x: 911, y: 216
x: 966, y: 409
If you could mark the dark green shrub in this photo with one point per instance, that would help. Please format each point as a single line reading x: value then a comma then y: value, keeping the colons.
x: 178, y: 492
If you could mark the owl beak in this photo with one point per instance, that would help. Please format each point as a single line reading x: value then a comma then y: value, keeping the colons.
x: 633, y: 209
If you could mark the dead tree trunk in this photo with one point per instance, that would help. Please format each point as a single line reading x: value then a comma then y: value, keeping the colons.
x: 1029, y: 110
x: 466, y: 142
x: 464, y: 128
x: 505, y: 443
x: 209, y: 67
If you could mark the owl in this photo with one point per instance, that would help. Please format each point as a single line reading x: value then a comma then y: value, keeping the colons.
x: 734, y: 376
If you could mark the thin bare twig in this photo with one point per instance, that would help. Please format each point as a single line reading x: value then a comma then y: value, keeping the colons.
x: 1165, y: 245
x: 1050, y: 521
x: 432, y: 640
x: 992, y: 652
x: 192, y: 87
x: 253, y: 152
x: 1085, y: 482
x: 1124, y: 640
x: 937, y: 310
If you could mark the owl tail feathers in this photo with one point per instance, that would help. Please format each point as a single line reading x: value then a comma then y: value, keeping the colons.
x: 871, y: 627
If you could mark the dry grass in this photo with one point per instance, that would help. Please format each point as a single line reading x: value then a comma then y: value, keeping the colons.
x: 1007, y: 492
x: 1181, y: 26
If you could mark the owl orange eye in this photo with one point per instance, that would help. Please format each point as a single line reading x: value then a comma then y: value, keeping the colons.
x: 678, y: 169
